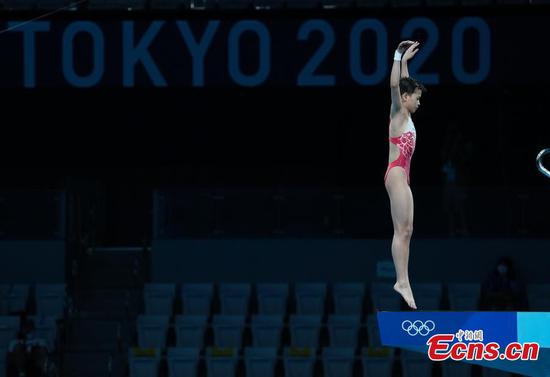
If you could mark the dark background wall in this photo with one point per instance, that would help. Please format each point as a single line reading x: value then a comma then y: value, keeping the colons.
x: 110, y: 147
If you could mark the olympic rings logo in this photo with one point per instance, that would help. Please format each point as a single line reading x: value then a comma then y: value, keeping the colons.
x: 418, y: 327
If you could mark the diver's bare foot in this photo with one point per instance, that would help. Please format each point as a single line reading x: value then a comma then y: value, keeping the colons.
x: 406, y: 292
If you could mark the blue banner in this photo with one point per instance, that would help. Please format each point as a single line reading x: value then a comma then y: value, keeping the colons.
x: 255, y: 52
x: 88, y: 53
x: 415, y: 328
x: 412, y: 331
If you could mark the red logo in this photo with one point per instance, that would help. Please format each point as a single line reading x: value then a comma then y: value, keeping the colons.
x: 441, y: 347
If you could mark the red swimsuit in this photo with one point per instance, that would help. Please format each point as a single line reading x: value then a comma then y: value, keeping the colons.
x: 406, y: 143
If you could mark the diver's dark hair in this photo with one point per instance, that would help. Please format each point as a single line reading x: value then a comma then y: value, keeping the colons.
x: 409, y: 85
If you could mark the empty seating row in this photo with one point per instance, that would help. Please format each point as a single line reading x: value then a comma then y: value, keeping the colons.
x: 294, y: 362
x: 263, y: 331
x: 260, y: 362
x: 235, y: 298
x: 49, y: 299
x: 308, y: 298
x: 45, y: 328
x: 311, y: 298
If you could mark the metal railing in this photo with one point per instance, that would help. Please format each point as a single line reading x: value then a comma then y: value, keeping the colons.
x: 540, y: 166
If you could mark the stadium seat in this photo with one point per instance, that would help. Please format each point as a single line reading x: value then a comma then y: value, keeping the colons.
x: 455, y: 369
x: 190, y: 330
x: 9, y: 326
x: 152, y: 331
x: 377, y: 361
x: 310, y: 298
x: 384, y: 297
x: 464, y: 297
x: 183, y: 362
x: 159, y: 298
x: 228, y: 330
x: 17, y: 298
x: 144, y: 362
x: 272, y: 298
x: 50, y: 300
x: 415, y: 364
x: 492, y: 372
x: 348, y: 298
x: 197, y: 298
x: 46, y: 328
x: 338, y: 362
x: 221, y: 362
x: 260, y: 361
x: 538, y: 296
x: 234, y: 299
x: 373, y: 332
x: 266, y: 330
x: 343, y: 330
x: 304, y: 330
x: 428, y: 295
x: 4, y: 291
x: 299, y: 362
